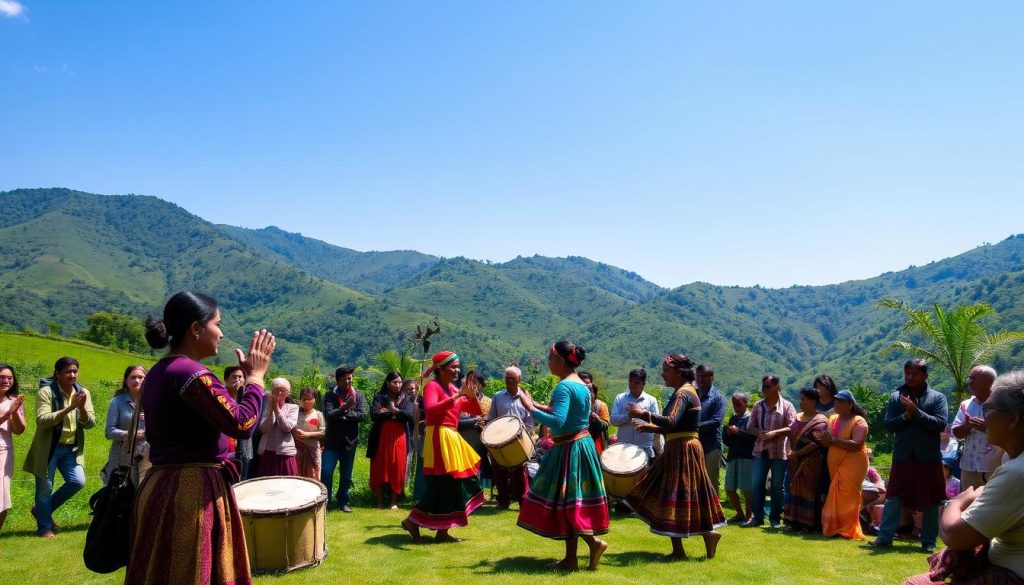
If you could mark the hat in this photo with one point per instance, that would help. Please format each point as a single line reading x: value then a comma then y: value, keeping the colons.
x: 845, y: 395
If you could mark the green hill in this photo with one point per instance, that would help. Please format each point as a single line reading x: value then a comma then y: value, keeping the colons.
x: 66, y: 254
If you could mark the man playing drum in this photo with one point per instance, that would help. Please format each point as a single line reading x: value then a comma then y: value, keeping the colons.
x: 512, y: 482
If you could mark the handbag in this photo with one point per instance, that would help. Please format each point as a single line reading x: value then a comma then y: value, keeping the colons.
x: 108, y: 540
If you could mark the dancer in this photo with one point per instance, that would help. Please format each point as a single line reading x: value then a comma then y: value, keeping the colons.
x: 450, y: 465
x: 675, y: 496
x: 566, y: 500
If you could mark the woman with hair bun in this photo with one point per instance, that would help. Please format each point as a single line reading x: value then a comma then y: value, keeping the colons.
x: 675, y: 496
x: 567, y: 500
x: 186, y: 527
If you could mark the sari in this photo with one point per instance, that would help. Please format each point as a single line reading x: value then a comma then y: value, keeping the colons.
x: 848, y: 469
x: 807, y: 487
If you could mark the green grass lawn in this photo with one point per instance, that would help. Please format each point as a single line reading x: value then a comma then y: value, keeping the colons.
x: 368, y: 546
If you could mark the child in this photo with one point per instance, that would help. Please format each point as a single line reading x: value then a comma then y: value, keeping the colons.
x: 740, y: 461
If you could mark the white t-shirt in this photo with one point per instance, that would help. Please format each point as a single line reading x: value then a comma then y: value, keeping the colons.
x: 998, y: 513
x: 979, y: 456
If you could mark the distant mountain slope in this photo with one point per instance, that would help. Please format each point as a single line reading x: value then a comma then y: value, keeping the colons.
x: 366, y: 271
x: 65, y: 254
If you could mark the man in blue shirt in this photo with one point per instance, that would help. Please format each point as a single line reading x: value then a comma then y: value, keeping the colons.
x: 712, y: 413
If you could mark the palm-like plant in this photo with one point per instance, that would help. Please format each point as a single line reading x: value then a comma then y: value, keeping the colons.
x: 957, y: 339
x: 392, y: 361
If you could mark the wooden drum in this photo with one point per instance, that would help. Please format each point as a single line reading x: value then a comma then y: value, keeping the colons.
x: 623, y: 464
x: 285, y: 522
x: 507, y: 441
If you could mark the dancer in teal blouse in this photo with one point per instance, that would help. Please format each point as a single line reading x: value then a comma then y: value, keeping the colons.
x: 567, y: 499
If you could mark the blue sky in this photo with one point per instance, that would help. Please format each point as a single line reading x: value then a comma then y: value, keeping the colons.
x: 775, y: 143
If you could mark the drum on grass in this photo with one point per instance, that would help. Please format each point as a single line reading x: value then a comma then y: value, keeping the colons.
x: 622, y: 464
x: 507, y: 441
x: 284, y: 520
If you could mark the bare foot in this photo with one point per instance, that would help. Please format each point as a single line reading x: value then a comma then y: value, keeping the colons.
x: 47, y: 535
x: 595, y: 553
x: 412, y: 529
x: 673, y: 557
x: 565, y: 565
x: 445, y: 537
x: 711, y: 543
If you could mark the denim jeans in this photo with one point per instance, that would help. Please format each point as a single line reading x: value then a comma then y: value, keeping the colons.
x: 777, y: 467
x: 331, y: 459
x: 891, y: 521
x: 47, y: 501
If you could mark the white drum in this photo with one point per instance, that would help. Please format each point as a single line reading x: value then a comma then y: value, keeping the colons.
x: 284, y: 518
x: 623, y: 465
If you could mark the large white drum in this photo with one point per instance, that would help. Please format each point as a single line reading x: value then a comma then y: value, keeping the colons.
x: 507, y: 441
x: 285, y: 522
x: 623, y: 465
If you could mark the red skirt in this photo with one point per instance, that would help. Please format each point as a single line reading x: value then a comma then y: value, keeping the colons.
x: 920, y: 485
x: 388, y: 465
x: 273, y: 463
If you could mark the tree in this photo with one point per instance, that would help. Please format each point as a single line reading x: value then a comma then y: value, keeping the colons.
x: 114, y: 330
x: 957, y: 339
x: 392, y: 361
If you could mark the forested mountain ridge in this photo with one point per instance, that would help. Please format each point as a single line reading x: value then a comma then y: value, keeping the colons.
x: 65, y: 254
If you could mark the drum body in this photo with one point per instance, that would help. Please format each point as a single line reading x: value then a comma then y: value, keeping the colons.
x: 285, y: 522
x: 507, y: 441
x: 623, y: 464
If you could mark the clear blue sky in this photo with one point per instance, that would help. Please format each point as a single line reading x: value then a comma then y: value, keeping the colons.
x: 731, y: 142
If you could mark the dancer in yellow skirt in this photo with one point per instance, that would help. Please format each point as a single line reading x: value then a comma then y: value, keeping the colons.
x: 450, y: 465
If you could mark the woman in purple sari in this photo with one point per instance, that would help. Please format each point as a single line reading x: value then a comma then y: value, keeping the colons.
x: 186, y: 527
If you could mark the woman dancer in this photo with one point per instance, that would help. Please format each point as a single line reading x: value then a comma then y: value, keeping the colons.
x: 450, y: 465
x: 675, y: 496
x: 567, y: 500
x: 186, y: 527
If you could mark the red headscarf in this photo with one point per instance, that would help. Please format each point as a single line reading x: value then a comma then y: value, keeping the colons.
x: 440, y: 358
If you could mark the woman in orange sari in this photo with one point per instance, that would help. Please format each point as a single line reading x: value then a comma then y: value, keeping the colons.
x: 847, y: 465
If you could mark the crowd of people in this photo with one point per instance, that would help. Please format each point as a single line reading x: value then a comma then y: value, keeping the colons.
x: 802, y: 468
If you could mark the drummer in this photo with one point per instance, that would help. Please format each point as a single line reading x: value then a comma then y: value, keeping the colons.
x: 512, y: 482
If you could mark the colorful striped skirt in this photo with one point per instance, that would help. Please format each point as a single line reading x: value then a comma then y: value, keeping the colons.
x: 186, y: 528
x: 675, y: 496
x: 452, y: 491
x: 567, y: 496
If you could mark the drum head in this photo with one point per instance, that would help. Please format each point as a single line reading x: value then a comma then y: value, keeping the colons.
x: 623, y: 459
x: 501, y: 431
x: 269, y: 495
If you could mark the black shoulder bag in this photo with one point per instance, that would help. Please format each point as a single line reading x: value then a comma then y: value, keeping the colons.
x: 107, y: 542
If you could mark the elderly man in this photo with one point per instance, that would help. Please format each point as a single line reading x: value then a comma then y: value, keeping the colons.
x: 769, y: 424
x: 620, y: 412
x: 512, y: 482
x: 712, y: 413
x: 344, y: 409
x: 980, y: 458
x: 916, y: 415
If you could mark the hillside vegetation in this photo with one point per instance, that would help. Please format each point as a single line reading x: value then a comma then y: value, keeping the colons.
x: 66, y: 254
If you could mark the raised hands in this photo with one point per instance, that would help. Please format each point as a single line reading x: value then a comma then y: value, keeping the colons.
x: 255, y: 364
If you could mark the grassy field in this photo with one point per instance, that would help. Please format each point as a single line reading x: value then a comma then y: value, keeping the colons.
x: 368, y: 546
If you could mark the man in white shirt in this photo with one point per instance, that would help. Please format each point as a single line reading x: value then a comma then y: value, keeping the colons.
x: 980, y: 458
x: 620, y: 412
x: 512, y: 482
